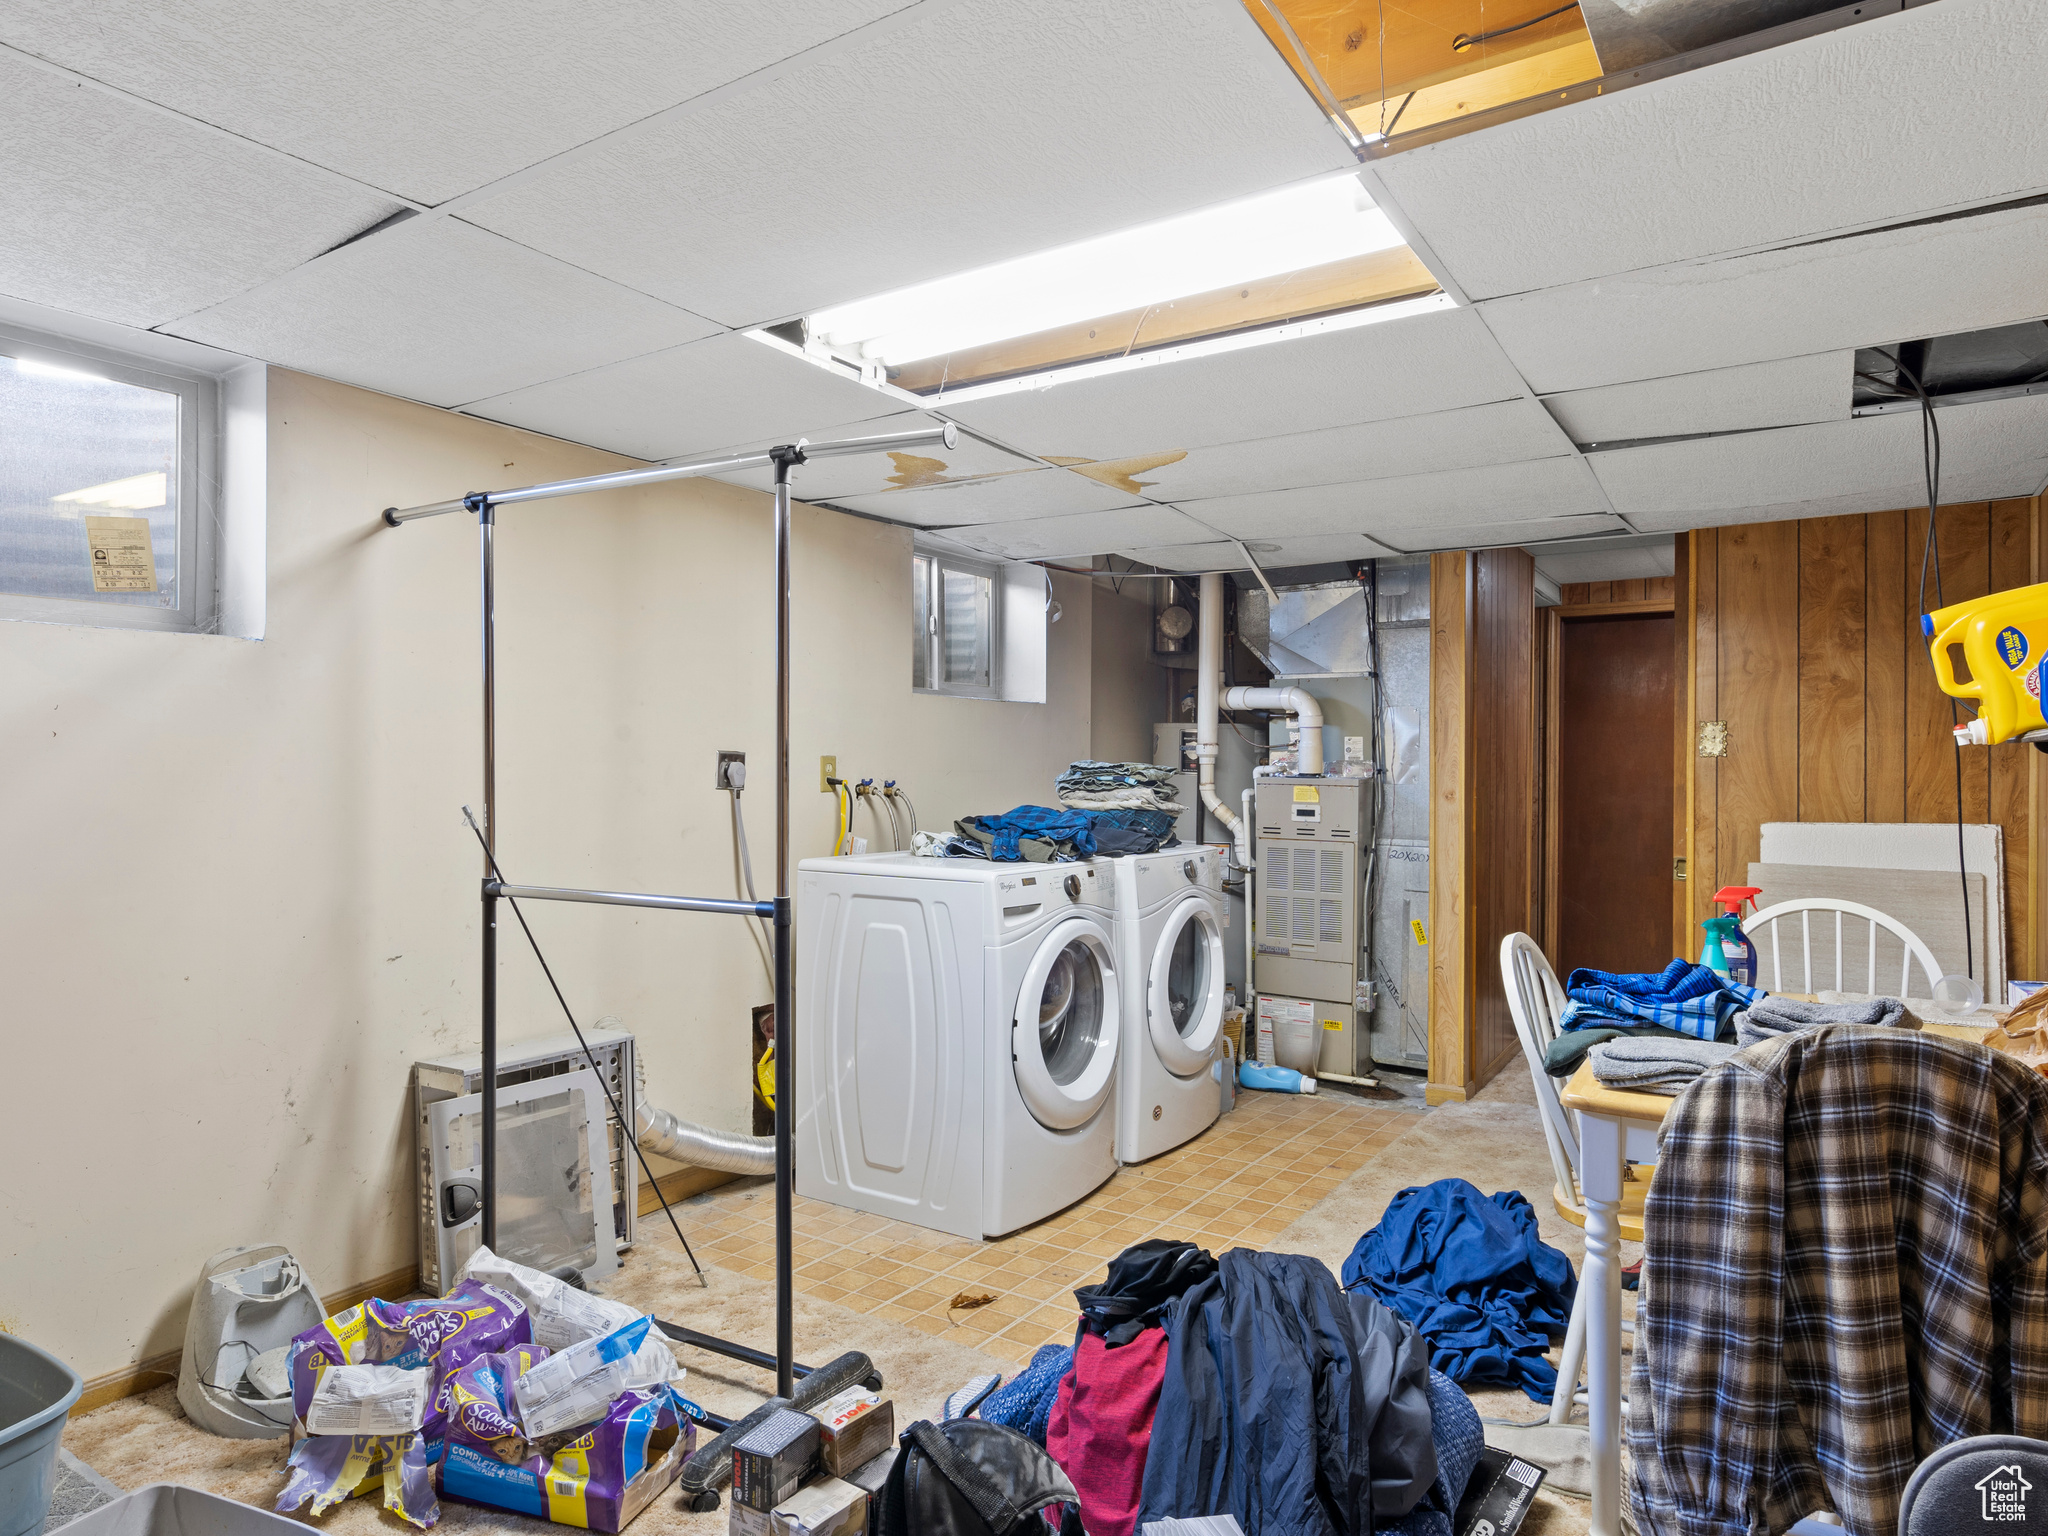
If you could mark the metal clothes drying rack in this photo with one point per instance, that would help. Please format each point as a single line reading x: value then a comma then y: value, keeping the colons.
x: 485, y: 504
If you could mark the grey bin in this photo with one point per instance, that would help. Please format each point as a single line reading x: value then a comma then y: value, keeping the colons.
x: 165, y: 1509
x: 36, y: 1392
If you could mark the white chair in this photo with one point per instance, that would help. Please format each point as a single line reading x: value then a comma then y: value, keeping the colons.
x: 1804, y: 909
x: 1537, y: 1000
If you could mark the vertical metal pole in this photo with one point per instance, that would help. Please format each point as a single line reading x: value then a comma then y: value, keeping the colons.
x: 785, y: 1012
x: 485, y: 522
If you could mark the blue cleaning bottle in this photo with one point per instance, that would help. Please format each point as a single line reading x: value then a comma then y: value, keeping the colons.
x: 1728, y: 949
x: 1256, y: 1074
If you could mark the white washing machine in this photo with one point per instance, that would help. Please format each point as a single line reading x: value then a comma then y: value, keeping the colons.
x: 1170, y: 949
x: 957, y: 1036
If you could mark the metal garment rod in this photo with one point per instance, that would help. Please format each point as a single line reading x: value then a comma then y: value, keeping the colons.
x: 785, y: 988
x: 633, y: 899
x: 488, y: 594
x: 946, y: 435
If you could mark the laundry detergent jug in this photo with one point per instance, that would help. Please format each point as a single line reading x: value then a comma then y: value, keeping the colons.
x: 2004, y: 640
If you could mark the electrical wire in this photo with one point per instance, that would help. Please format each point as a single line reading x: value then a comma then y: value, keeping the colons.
x: 1930, y: 551
x: 632, y: 1133
x: 1466, y: 40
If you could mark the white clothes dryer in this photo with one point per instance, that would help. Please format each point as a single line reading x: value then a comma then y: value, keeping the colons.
x: 1170, y: 948
x: 956, y: 1038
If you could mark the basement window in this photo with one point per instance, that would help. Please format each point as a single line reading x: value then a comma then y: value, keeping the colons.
x: 106, y: 481
x: 977, y: 628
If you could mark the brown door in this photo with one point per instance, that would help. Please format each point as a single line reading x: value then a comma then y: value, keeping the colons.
x: 1614, y: 790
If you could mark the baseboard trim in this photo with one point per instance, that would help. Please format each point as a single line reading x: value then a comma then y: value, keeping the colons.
x: 681, y: 1185
x: 148, y: 1374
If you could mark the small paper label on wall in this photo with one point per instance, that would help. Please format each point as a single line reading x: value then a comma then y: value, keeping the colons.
x: 1421, y: 935
x: 121, y: 557
x: 1334, y: 1026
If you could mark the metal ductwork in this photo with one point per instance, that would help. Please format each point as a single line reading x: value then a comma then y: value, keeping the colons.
x: 700, y: 1146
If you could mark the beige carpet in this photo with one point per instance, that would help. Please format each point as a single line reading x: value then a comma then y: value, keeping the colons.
x: 1496, y: 1141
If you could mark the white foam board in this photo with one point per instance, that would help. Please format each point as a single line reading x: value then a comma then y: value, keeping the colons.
x: 969, y: 134
x: 442, y: 312
x: 1784, y: 392
x: 425, y: 100
x: 1458, y: 497
x: 1929, y: 903
x: 1091, y: 533
x: 1030, y: 494
x: 1868, y: 290
x: 1509, y: 431
x: 1397, y: 368
x: 125, y: 214
x: 1793, y: 141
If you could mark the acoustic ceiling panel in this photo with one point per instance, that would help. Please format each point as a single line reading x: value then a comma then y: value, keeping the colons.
x: 426, y: 101
x: 692, y: 399
x: 1210, y: 556
x: 1997, y: 483
x: 1449, y: 498
x: 1090, y: 533
x: 1505, y: 432
x: 120, y: 212
x: 1029, y: 495
x: 1835, y: 295
x: 436, y: 310
x: 1988, y: 450
x: 1430, y: 538
x: 969, y: 134
x: 1786, y: 392
x: 1423, y: 363
x: 868, y: 474
x: 1795, y: 141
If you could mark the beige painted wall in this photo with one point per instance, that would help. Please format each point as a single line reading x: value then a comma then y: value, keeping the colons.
x: 1130, y: 692
x: 240, y: 899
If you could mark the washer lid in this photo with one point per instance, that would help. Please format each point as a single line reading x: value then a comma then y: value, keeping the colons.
x: 1184, y: 995
x: 1064, y: 1033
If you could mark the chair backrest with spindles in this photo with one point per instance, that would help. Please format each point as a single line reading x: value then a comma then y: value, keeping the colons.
x: 1536, y: 1001
x: 1771, y: 932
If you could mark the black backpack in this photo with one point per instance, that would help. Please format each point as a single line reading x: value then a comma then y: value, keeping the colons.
x: 968, y: 1478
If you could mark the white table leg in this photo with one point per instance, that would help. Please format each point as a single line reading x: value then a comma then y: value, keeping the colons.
x: 1600, y: 1165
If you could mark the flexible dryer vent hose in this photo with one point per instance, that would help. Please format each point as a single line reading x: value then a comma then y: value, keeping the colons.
x: 664, y: 1135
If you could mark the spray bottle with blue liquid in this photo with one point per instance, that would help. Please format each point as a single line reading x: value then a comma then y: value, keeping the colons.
x: 1728, y: 949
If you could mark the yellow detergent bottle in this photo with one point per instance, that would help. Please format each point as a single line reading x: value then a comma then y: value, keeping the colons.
x: 2005, y: 641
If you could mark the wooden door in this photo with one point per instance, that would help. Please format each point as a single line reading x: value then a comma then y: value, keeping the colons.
x: 1613, y: 728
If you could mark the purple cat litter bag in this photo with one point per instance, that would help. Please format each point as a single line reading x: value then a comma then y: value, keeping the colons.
x: 471, y: 1320
x: 598, y: 1480
x: 329, y: 1469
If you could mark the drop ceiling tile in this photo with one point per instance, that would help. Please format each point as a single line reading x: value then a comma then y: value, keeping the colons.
x: 1794, y: 141
x: 1406, y: 367
x: 868, y: 474
x: 970, y: 134
x: 1505, y: 432
x: 1428, y: 538
x: 1873, y: 462
x: 119, y: 212
x: 426, y: 100
x: 1210, y: 556
x: 1784, y: 393
x: 1272, y: 554
x: 693, y: 399
x: 1030, y: 495
x: 436, y: 310
x: 1089, y: 533
x: 2008, y: 480
x: 1463, y: 497
x: 1959, y: 275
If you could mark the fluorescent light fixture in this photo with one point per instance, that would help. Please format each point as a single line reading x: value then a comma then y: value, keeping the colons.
x: 36, y: 370
x: 1306, y: 225
x: 135, y: 494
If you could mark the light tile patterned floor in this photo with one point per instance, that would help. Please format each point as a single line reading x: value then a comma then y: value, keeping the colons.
x: 1236, y: 1186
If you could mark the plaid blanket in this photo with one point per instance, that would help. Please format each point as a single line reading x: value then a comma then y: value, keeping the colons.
x: 1691, y: 998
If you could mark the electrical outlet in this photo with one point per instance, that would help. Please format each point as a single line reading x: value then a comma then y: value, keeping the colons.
x: 828, y: 768
x: 725, y: 762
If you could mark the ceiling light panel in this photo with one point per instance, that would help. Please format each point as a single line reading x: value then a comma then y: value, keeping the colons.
x: 1458, y: 497
x: 1790, y: 142
x: 436, y: 310
x: 1961, y: 275
x: 1041, y: 122
x: 688, y: 400
x: 1783, y: 393
x: 1404, y: 367
x: 1031, y: 494
x: 426, y: 101
x: 122, y: 213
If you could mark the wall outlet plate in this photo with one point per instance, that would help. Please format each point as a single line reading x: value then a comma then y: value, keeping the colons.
x: 725, y: 761
x: 828, y: 769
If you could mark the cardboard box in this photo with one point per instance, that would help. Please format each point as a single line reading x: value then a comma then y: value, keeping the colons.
x: 774, y: 1459
x: 854, y: 1428
x: 827, y: 1507
x: 747, y: 1521
x: 869, y: 1478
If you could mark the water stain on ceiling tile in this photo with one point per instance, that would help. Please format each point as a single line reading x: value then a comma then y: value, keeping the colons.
x: 1121, y: 474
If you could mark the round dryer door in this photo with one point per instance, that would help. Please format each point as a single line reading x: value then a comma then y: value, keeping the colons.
x: 1184, y: 998
x: 1064, y: 1035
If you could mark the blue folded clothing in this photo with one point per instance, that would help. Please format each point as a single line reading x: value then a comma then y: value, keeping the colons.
x: 1693, y: 998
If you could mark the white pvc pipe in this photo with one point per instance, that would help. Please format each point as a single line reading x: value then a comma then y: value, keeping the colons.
x: 1294, y: 701
x: 1208, y: 676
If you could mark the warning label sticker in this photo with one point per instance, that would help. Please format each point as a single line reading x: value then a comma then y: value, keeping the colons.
x: 121, y: 557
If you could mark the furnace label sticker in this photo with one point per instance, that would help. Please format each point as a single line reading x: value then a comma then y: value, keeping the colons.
x: 121, y: 557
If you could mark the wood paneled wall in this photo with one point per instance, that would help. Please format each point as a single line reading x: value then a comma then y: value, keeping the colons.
x: 1483, y: 806
x: 1805, y: 640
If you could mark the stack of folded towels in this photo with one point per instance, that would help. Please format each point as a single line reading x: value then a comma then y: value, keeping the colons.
x: 1770, y: 1017
x: 1093, y: 786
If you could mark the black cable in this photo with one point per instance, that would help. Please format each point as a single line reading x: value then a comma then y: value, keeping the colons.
x: 632, y: 1135
x: 1464, y: 40
x: 1930, y: 459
